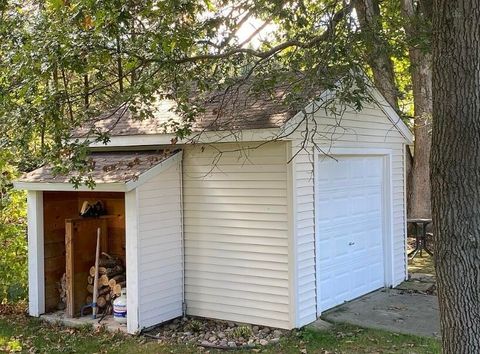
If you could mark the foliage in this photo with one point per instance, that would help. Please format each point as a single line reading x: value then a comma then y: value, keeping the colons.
x: 243, y: 331
x: 66, y: 62
x: 194, y: 326
x: 13, y: 243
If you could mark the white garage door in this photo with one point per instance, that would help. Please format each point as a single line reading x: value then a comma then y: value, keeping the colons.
x: 349, y: 229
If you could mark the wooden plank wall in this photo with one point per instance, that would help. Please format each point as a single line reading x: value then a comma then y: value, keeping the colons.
x: 81, y: 243
x: 115, y: 205
x: 59, y: 206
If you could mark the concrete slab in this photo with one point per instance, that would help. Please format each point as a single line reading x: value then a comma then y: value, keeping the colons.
x: 108, y: 322
x: 393, y: 311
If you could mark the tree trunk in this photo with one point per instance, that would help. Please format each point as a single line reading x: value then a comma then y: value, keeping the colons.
x: 455, y: 171
x: 419, y: 204
x: 378, y: 57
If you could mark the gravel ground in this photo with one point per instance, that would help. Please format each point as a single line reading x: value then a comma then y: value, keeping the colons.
x: 216, y: 334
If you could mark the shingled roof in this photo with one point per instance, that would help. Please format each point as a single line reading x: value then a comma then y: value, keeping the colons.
x: 108, y: 167
x: 234, y: 110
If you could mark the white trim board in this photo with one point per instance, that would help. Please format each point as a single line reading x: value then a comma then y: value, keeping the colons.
x: 36, y: 259
x: 131, y: 250
x: 207, y: 137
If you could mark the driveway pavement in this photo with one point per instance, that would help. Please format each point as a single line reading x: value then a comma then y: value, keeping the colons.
x: 392, y: 310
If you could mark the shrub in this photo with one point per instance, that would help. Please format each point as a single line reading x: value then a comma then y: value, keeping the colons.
x: 243, y: 331
x: 13, y: 241
x: 194, y: 326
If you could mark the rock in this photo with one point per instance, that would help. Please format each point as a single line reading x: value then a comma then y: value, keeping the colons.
x: 221, y: 333
x: 263, y: 342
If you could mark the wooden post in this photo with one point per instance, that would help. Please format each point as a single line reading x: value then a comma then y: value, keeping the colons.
x: 70, y: 268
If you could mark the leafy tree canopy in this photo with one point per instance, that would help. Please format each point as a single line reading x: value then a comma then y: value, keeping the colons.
x: 65, y: 61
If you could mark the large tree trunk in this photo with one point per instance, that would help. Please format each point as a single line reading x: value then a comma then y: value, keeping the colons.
x: 419, y: 204
x: 455, y: 171
x: 420, y: 201
x: 378, y: 53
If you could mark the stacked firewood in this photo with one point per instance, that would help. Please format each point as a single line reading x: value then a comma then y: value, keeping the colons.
x: 111, y: 280
x: 62, y: 290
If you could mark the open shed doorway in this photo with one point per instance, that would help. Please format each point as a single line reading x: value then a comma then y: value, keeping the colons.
x: 69, y: 251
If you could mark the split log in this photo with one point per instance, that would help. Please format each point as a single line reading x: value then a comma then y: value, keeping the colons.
x: 89, y: 299
x: 92, y: 271
x: 111, y: 280
x: 101, y: 302
x: 101, y: 289
x: 109, y: 272
x: 103, y: 280
x: 62, y: 290
x: 90, y: 288
x: 117, y: 290
x: 116, y: 279
x: 104, y: 290
x: 107, y: 262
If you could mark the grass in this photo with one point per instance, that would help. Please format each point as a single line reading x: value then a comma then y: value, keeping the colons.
x: 19, y: 333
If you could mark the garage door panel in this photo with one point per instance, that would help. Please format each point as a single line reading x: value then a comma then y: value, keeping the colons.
x: 349, y: 202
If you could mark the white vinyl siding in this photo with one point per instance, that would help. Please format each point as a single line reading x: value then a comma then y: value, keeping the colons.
x: 236, y: 233
x: 160, y: 255
x: 368, y: 129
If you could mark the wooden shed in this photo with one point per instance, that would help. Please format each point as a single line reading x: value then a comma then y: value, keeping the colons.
x: 142, y: 227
